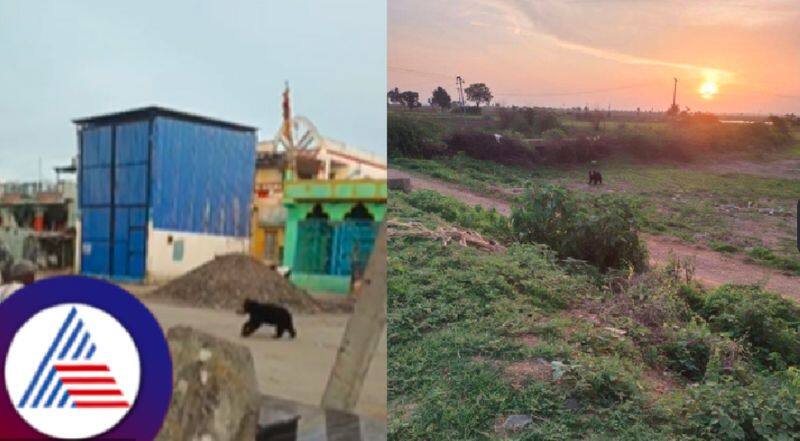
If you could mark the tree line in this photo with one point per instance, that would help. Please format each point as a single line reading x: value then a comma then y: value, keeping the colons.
x: 478, y: 93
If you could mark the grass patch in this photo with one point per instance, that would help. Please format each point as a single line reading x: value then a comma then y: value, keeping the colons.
x: 459, y: 317
x: 722, y: 247
x: 767, y: 257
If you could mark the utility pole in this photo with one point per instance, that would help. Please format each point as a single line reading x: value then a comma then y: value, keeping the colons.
x: 674, y: 92
x: 460, y: 85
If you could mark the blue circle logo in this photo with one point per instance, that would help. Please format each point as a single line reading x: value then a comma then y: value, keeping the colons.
x: 82, y: 358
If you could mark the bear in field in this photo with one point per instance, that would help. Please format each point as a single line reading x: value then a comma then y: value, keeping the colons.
x: 595, y: 178
x: 266, y: 314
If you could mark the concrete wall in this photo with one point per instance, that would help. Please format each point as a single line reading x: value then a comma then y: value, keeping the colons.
x: 76, y: 263
x: 163, y: 261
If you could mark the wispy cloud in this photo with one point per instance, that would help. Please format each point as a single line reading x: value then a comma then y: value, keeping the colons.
x: 511, y: 11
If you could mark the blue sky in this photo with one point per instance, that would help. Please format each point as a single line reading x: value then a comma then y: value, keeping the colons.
x: 227, y: 59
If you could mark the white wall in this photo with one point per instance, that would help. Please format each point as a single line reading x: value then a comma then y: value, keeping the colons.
x: 78, y: 246
x: 197, y: 249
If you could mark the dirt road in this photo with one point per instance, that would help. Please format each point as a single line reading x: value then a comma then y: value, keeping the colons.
x: 711, y: 268
x: 296, y: 369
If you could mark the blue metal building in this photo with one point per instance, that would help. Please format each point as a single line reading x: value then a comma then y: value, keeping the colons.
x: 161, y: 191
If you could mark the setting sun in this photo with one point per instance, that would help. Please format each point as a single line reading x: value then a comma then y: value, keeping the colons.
x: 708, y: 89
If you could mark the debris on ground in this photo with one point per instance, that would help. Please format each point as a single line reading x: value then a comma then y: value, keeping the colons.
x: 572, y: 404
x: 447, y: 234
x: 520, y: 373
x: 228, y: 280
x: 515, y: 423
x: 215, y: 394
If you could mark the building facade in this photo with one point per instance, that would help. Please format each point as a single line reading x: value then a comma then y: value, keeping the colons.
x: 161, y: 192
x: 331, y: 229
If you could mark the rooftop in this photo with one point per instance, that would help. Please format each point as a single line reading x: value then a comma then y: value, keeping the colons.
x: 153, y: 111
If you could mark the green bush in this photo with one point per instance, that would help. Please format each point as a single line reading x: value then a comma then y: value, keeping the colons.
x: 412, y: 138
x: 553, y: 135
x: 766, y: 409
x: 602, y: 230
x: 769, y: 323
x: 487, y: 147
x: 529, y: 121
x: 602, y: 380
x: 689, y: 350
x: 761, y: 253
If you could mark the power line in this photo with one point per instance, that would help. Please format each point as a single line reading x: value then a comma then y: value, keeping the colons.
x: 581, y: 92
x: 421, y: 72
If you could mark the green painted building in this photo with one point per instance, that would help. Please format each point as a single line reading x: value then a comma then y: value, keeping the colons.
x: 331, y: 228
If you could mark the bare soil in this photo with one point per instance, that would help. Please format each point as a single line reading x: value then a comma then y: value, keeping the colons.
x: 521, y: 373
x: 711, y: 268
x: 293, y: 369
x: 227, y: 281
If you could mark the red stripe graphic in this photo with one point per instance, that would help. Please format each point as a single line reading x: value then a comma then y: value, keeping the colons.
x: 94, y: 392
x: 88, y: 380
x: 81, y: 368
x: 101, y: 404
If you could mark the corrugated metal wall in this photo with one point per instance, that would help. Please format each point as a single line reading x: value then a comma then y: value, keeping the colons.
x: 114, y: 199
x: 95, y: 200
x: 202, y: 178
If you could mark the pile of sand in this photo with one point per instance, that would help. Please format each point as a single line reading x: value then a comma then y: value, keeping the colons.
x: 226, y: 281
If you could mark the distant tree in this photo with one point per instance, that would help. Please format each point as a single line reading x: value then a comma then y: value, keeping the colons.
x: 440, y: 98
x: 393, y: 96
x: 779, y: 124
x: 479, y: 93
x: 410, y: 99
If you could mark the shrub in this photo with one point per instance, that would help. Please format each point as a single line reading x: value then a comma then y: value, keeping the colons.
x: 766, y: 409
x: 528, y: 120
x: 602, y: 380
x: 487, y: 147
x: 602, y: 230
x: 412, y: 138
x: 769, y: 323
x: 689, y: 350
x: 553, y: 135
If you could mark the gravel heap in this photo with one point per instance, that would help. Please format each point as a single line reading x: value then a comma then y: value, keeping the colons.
x: 226, y: 281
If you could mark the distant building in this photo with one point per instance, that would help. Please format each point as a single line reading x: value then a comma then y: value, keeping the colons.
x: 327, y: 160
x: 322, y: 224
x: 37, y: 222
x: 161, y: 192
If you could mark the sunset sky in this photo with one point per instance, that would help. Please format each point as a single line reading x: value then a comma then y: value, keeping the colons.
x: 743, y: 54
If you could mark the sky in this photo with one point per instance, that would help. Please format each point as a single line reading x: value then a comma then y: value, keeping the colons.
x: 63, y: 60
x: 600, y: 53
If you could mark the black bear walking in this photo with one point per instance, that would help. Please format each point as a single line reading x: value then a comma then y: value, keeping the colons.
x: 266, y: 314
x: 595, y: 178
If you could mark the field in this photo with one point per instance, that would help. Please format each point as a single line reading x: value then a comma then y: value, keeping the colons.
x: 739, y: 205
x: 514, y: 341
x: 477, y: 337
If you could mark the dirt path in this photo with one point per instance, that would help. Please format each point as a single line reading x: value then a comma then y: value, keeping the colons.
x: 420, y: 182
x: 711, y: 268
x: 296, y: 369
